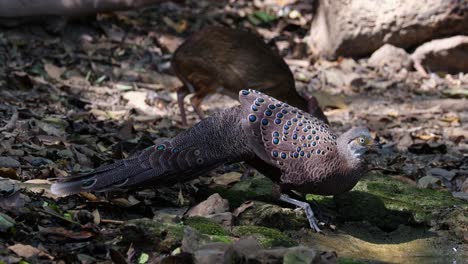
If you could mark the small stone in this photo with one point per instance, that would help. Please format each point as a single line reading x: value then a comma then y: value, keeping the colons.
x: 429, y: 182
x: 301, y: 255
x: 8, y: 162
x: 224, y: 219
x: 214, y: 253
x: 171, y: 214
x: 390, y: 57
x: 228, y: 178
x: 270, y: 215
x: 460, y: 195
x: 464, y: 187
x: 447, y: 55
x: 246, y: 246
x: 438, y: 172
x: 213, y: 205
x: 193, y: 240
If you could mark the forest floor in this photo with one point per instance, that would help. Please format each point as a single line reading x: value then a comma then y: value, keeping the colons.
x: 79, y: 94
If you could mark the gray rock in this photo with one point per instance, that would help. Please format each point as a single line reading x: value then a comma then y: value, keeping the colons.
x: 246, y: 246
x: 464, y: 187
x: 308, y: 256
x: 213, y: 205
x: 390, y: 57
x: 214, y: 253
x: 442, y: 173
x: 224, y: 219
x: 447, y: 55
x: 8, y: 162
x: 357, y: 28
x: 193, y: 240
x: 270, y: 215
x: 460, y: 195
x: 170, y: 214
x: 429, y: 182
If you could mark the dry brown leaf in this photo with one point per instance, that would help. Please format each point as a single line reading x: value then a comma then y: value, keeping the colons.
x: 53, y: 71
x: 27, y: 251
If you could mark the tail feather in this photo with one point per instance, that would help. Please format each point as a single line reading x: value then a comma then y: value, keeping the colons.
x: 210, y: 143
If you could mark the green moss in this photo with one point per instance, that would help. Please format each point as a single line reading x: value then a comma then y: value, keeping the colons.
x: 255, y: 188
x: 326, y: 201
x: 222, y: 239
x: 349, y: 261
x: 164, y: 235
x: 268, y: 237
x: 399, y: 196
x: 205, y: 226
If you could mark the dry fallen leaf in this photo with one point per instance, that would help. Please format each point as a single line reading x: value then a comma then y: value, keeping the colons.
x: 27, y: 251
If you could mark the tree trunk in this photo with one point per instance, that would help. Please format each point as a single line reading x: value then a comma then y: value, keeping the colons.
x: 357, y: 28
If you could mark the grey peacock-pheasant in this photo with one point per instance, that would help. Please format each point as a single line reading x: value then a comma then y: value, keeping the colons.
x: 296, y: 150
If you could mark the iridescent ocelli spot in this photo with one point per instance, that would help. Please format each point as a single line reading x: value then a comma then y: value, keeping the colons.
x: 264, y: 122
x: 252, y: 118
x: 271, y: 107
x: 275, y: 134
x: 268, y: 113
x: 277, y: 121
x: 275, y: 153
x: 245, y: 92
x: 275, y: 141
x: 161, y: 147
x: 283, y: 155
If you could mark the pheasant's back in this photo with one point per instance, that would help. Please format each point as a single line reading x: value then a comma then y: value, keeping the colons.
x: 303, y: 147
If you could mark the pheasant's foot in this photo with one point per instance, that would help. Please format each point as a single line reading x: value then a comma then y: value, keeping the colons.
x: 307, y: 209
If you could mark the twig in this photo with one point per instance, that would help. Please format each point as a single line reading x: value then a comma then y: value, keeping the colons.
x: 110, y: 221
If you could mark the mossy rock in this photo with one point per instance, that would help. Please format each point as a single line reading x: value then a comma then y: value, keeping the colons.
x: 387, y: 202
x: 274, y: 216
x: 268, y: 237
x: 163, y: 236
x: 255, y: 188
x: 205, y: 226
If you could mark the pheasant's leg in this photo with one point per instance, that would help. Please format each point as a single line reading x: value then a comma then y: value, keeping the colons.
x: 306, y: 207
x: 181, y: 93
x: 196, y: 101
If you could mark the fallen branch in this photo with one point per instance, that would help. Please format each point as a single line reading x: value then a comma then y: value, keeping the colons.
x: 27, y: 8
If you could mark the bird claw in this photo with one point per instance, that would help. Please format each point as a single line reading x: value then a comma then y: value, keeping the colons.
x: 307, y: 209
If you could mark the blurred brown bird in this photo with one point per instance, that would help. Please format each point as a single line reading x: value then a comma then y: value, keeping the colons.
x: 225, y: 60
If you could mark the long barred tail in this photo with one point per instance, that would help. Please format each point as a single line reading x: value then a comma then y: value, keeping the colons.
x: 213, y: 141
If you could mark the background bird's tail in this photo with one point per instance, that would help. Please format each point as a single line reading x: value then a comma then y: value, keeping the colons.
x: 210, y: 143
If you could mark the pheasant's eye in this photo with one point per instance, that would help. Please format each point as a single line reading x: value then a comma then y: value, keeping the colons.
x: 362, y: 140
